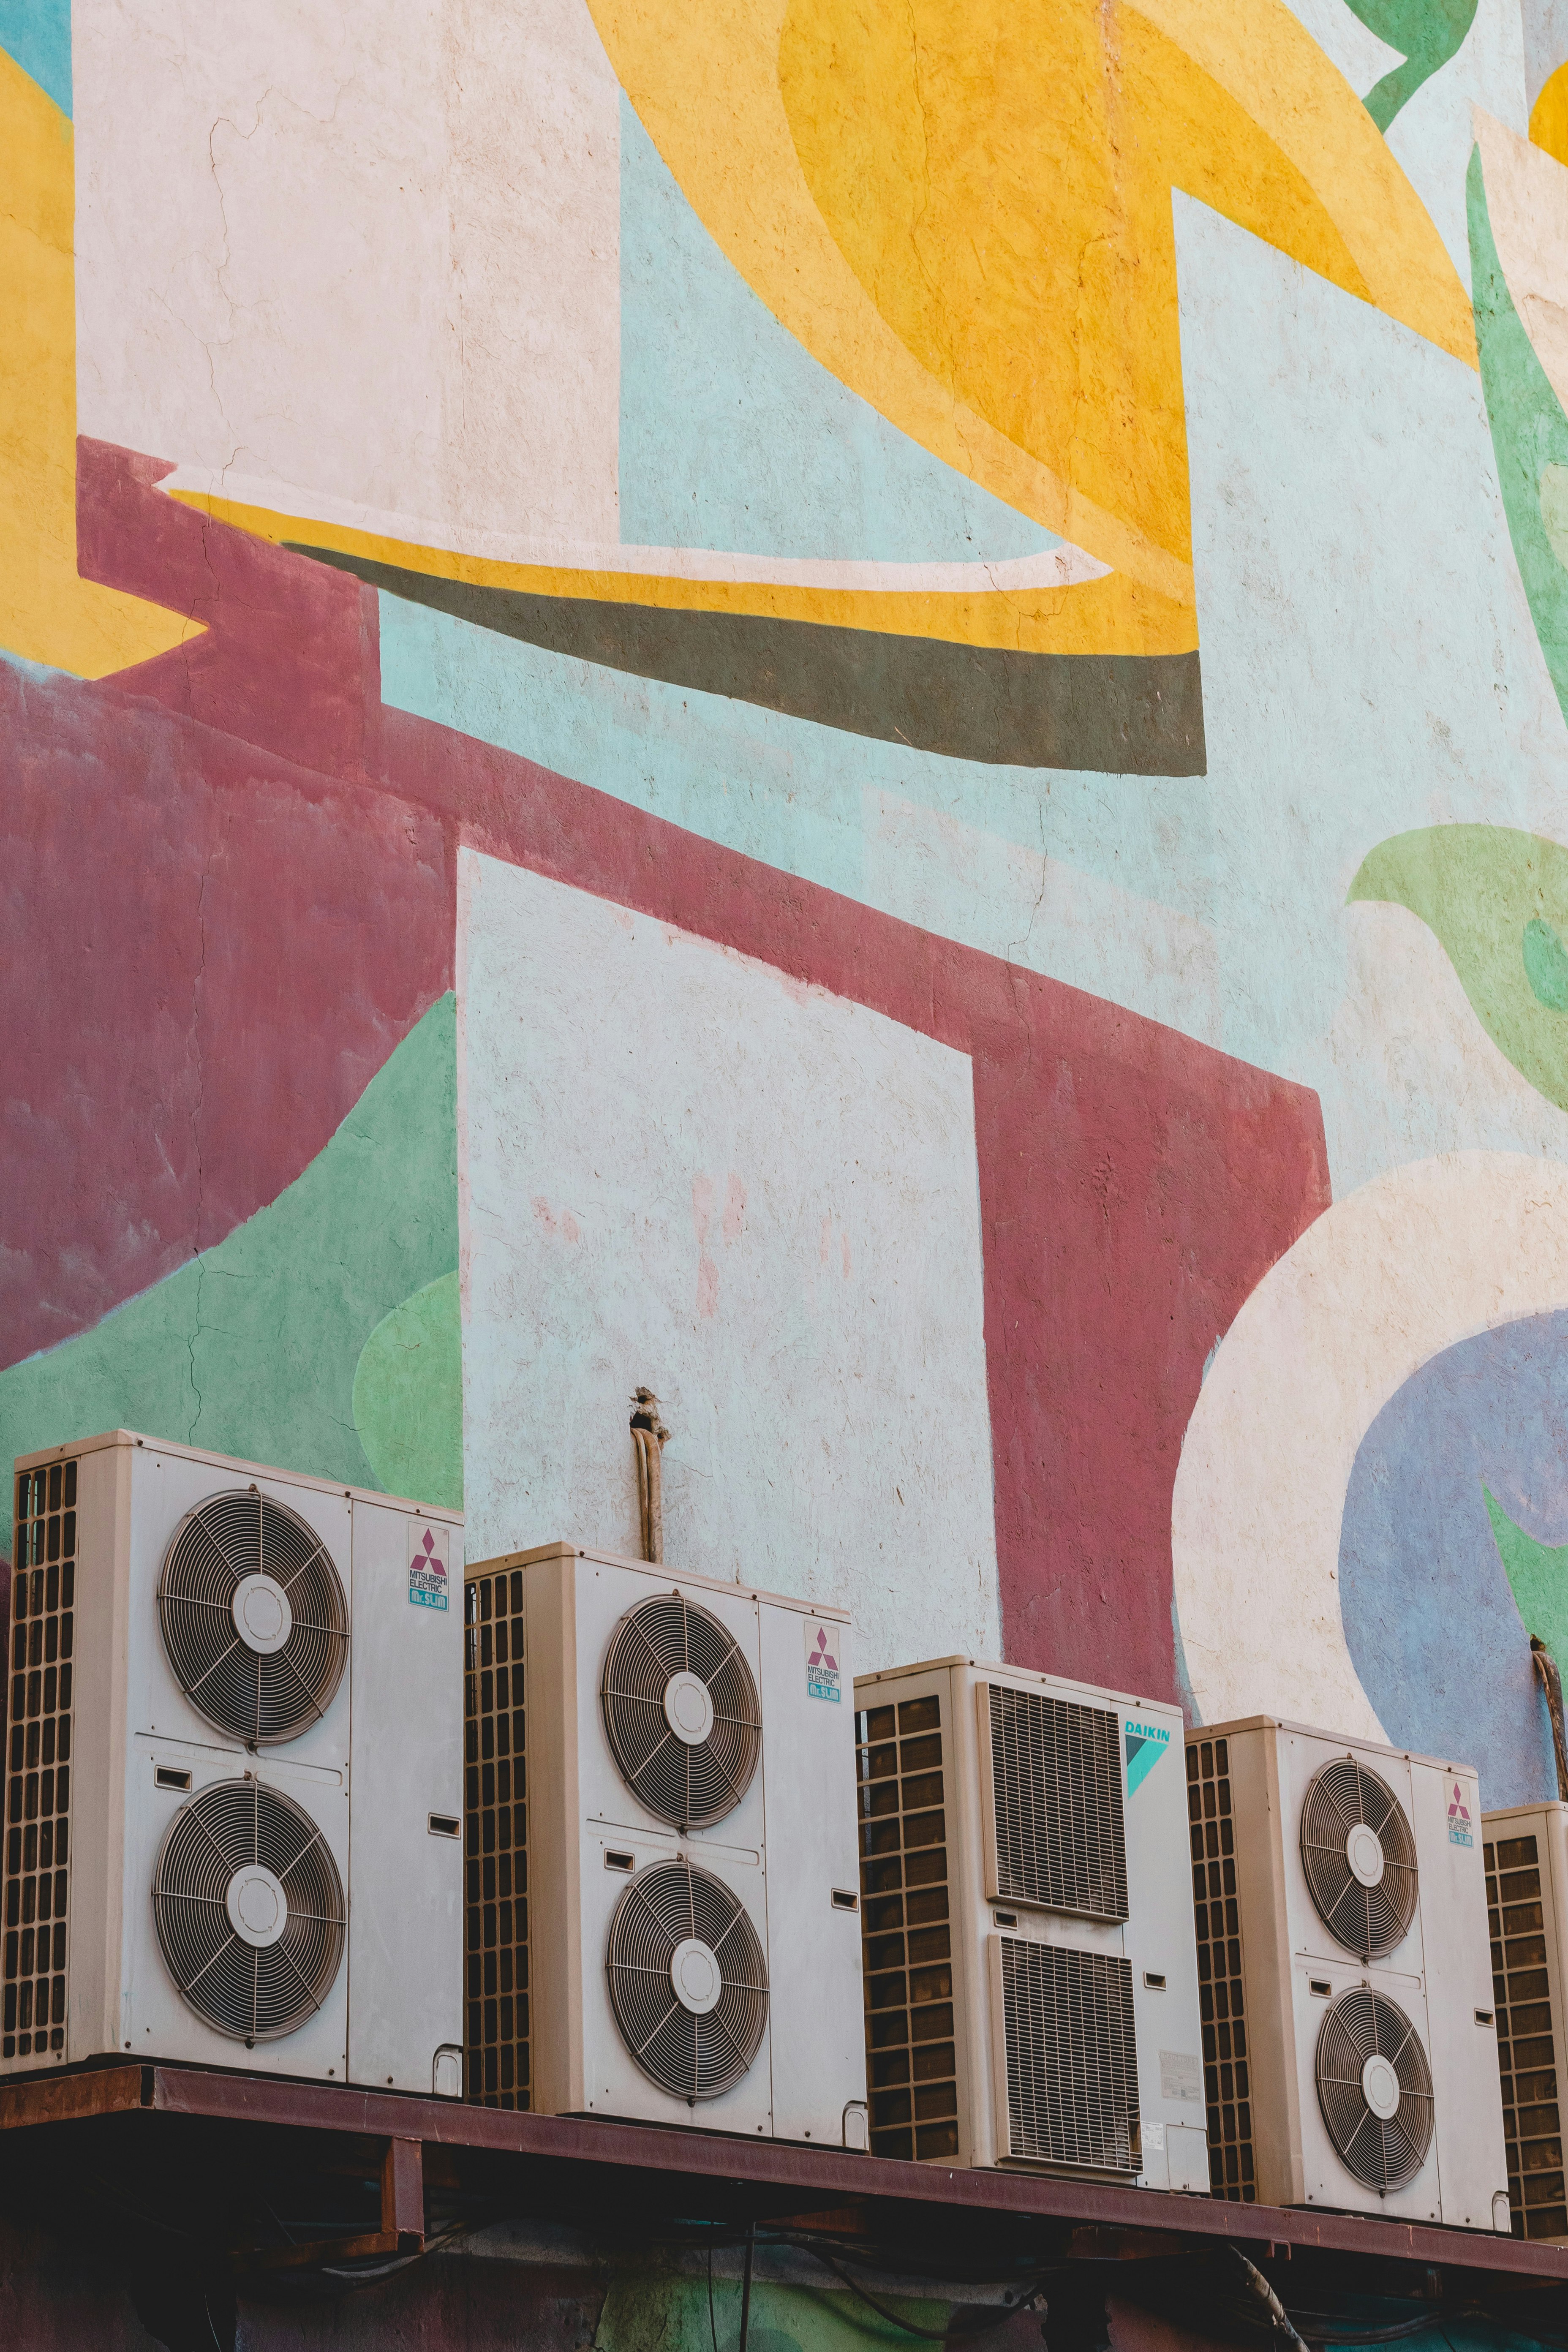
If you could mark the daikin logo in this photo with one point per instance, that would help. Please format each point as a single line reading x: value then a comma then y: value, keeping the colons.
x: 1146, y: 1743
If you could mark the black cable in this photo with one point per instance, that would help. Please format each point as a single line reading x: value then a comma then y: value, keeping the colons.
x: 712, y: 2323
x: 906, y: 2326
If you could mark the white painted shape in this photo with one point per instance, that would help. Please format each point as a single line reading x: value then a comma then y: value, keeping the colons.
x: 1418, y: 1259
x: 1545, y: 42
x: 377, y: 257
x: 1527, y: 206
x: 1053, y: 567
x: 683, y: 1167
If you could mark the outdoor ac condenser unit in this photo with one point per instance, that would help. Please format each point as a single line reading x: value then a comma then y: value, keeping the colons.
x: 660, y: 1837
x: 1348, y: 2038
x: 233, y: 1782
x: 1526, y: 1857
x: 1031, y: 1983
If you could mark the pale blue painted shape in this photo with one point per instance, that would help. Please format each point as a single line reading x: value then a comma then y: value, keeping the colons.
x: 732, y: 436
x: 37, y: 34
x: 1430, y: 1615
x: 1368, y: 662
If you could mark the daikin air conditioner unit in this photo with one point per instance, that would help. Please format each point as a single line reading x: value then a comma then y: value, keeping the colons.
x: 1031, y: 1983
x: 660, y: 1837
x: 1349, y: 2041
x: 233, y: 1795
x: 1526, y: 1856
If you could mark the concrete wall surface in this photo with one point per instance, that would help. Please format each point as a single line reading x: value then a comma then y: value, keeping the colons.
x: 857, y: 713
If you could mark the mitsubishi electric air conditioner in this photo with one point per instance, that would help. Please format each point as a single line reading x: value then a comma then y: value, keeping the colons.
x: 1526, y: 1856
x: 660, y: 1837
x: 1031, y: 1981
x: 1349, y: 2046
x: 233, y: 1782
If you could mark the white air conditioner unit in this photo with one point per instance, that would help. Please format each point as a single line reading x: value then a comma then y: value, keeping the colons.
x: 1348, y: 2039
x: 662, y: 1915
x: 1031, y: 1983
x: 1526, y: 1856
x: 233, y: 1792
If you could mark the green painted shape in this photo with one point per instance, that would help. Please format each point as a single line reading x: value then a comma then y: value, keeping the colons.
x: 1490, y: 894
x: 1545, y: 965
x: 408, y: 1397
x: 1553, y: 493
x: 1530, y: 437
x: 650, y: 2310
x: 1538, y: 1573
x: 252, y: 1348
x: 1426, y: 33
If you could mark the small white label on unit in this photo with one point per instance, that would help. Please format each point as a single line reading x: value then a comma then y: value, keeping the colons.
x: 1181, y: 2076
x: 823, y: 1679
x: 428, y: 1579
x: 1154, y: 2136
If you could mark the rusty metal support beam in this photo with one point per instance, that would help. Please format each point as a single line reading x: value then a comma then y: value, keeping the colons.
x: 547, y: 2164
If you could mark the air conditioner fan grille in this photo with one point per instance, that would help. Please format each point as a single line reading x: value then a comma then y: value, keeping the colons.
x: 1369, y: 1919
x: 251, y: 1993
x: 694, y: 1784
x: 263, y: 1698
x: 1383, y: 2152
x: 668, y: 1907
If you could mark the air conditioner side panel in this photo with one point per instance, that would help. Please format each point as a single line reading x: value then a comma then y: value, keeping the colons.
x: 816, y: 2023
x: 405, y: 1715
x: 96, y: 1908
x: 1260, y: 1831
x: 1467, y: 2143
x: 1160, y: 1939
x: 554, y: 1808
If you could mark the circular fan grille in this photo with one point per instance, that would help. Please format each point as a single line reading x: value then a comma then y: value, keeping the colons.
x: 1385, y: 2150
x: 664, y: 1647
x: 664, y: 1914
x: 259, y: 1979
x: 1373, y: 1918
x: 262, y: 1694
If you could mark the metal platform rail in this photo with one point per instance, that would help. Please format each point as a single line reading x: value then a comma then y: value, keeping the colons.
x: 269, y: 2174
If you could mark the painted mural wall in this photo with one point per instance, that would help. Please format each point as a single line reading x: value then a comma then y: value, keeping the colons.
x: 857, y: 711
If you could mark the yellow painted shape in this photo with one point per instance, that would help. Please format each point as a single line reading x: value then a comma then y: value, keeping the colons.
x: 1549, y: 116
x: 1228, y: 99
x: 47, y: 612
x: 1114, y: 614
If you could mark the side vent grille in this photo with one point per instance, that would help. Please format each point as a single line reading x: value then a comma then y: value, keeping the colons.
x: 495, y: 1843
x: 37, y: 1781
x: 1056, y: 1770
x: 910, y: 2059
x: 1527, y: 2046
x: 1072, y: 2067
x: 1227, y: 2083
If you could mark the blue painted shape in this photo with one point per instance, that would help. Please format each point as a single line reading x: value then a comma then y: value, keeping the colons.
x: 37, y: 34
x: 732, y: 436
x: 1429, y: 1612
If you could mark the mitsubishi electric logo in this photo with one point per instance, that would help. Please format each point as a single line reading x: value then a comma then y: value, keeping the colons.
x: 1146, y: 1743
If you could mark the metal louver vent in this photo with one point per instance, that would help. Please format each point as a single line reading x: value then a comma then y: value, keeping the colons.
x: 249, y: 1910
x: 680, y: 1712
x: 1056, y: 1776
x: 1072, y: 2063
x: 1360, y: 1858
x: 1374, y: 2088
x: 688, y: 1983
x: 255, y: 1618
